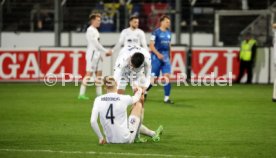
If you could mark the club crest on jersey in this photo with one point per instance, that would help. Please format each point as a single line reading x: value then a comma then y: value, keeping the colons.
x: 132, y: 120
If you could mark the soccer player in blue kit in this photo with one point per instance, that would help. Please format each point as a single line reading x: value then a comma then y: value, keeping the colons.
x: 160, y: 45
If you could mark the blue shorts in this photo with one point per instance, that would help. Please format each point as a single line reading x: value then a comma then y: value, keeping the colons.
x: 160, y: 65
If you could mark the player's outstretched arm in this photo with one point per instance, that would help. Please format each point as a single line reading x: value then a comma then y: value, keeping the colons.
x: 138, y: 92
x: 96, y: 43
x: 119, y: 44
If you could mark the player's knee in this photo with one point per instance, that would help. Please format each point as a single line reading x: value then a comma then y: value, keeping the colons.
x: 138, y: 107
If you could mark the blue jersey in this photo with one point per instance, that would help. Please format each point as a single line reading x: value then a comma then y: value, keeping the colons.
x: 162, y: 40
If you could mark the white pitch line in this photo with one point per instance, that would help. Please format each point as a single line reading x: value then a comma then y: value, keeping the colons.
x: 103, y: 153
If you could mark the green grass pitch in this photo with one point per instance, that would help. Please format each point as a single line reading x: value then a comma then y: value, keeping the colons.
x: 237, y: 121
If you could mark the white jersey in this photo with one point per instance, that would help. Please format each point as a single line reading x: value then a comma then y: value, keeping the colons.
x: 93, y: 37
x: 112, y: 109
x: 130, y: 37
x: 123, y: 70
x: 94, y: 50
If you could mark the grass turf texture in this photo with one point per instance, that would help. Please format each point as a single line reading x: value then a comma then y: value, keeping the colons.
x: 237, y: 121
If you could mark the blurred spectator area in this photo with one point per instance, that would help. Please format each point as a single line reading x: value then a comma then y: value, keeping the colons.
x: 38, y: 15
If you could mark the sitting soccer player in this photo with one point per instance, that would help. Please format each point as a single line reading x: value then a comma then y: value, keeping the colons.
x: 112, y: 109
x: 133, y: 66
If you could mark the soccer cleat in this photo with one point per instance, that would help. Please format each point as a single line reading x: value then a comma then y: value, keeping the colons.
x: 140, y: 139
x: 169, y: 102
x: 158, y: 132
x: 83, y: 97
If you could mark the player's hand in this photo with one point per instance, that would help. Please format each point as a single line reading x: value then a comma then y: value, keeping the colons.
x: 102, y: 141
x: 108, y: 53
x: 160, y: 56
x: 136, y: 88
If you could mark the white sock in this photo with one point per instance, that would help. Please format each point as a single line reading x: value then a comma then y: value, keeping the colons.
x: 166, y: 98
x: 133, y: 126
x: 146, y: 131
x: 82, y: 89
x: 99, y: 90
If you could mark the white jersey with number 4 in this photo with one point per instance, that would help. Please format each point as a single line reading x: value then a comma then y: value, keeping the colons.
x: 112, y: 109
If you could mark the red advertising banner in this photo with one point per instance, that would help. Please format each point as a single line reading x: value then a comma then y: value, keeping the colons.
x: 33, y: 65
x: 219, y: 63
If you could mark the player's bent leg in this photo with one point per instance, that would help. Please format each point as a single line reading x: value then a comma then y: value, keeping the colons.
x: 86, y: 78
x: 98, y: 83
x: 134, y: 121
x: 143, y: 129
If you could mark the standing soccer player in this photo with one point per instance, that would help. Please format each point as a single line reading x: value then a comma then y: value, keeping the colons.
x: 160, y: 46
x: 93, y: 55
x: 134, y: 66
x: 112, y: 109
x: 132, y: 36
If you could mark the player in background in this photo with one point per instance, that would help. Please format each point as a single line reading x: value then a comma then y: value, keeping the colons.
x: 274, y: 53
x: 134, y: 67
x: 93, y: 55
x: 112, y: 109
x: 131, y: 36
x: 160, y: 46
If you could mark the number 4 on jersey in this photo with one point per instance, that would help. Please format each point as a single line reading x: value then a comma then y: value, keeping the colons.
x: 109, y: 114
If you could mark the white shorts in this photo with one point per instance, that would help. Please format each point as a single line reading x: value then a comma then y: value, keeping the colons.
x: 94, y: 62
x: 122, y: 79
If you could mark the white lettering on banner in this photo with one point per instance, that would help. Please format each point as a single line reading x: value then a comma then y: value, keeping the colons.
x: 31, y: 65
x: 13, y: 66
x: 75, y: 66
x: 207, y: 66
x: 57, y: 63
x: 177, y: 59
x: 230, y: 55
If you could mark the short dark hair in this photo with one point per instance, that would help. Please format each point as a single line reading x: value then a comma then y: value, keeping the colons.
x: 93, y: 16
x: 137, y: 59
x: 163, y: 17
x: 132, y: 17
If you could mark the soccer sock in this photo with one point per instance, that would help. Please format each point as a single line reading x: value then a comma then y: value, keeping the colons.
x: 167, y: 89
x: 166, y: 98
x: 148, y: 88
x: 133, y: 125
x: 82, y: 89
x: 99, y: 90
x: 146, y: 131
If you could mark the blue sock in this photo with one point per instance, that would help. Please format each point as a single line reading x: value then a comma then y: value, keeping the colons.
x: 167, y: 89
